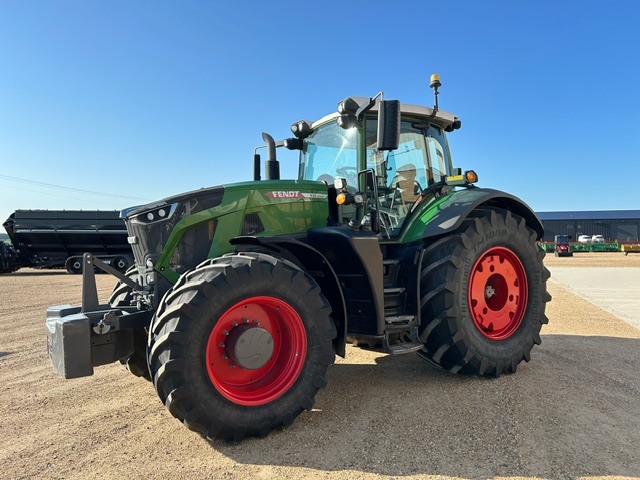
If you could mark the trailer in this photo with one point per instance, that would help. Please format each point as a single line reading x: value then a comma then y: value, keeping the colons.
x: 628, y: 248
x: 59, y: 238
x: 578, y: 247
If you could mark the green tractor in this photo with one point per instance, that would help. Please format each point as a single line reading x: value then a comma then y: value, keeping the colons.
x: 241, y: 295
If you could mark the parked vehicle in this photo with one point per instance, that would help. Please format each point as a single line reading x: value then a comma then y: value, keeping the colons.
x: 563, y: 248
x: 59, y: 238
x: 241, y: 295
x: 585, y: 238
x: 597, y: 239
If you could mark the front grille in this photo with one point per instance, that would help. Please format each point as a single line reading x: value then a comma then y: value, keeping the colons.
x: 252, y: 224
x: 193, y: 247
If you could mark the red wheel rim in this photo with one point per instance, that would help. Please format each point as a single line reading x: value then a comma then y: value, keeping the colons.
x: 262, y: 385
x: 498, y: 293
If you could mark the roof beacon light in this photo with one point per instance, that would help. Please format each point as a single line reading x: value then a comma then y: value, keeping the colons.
x: 435, y: 81
x: 435, y: 84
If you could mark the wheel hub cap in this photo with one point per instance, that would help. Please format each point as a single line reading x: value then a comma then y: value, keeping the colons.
x: 498, y: 293
x: 256, y: 350
x: 250, y: 347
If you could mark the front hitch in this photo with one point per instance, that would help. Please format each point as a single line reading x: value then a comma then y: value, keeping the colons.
x: 80, y: 338
x: 90, y: 301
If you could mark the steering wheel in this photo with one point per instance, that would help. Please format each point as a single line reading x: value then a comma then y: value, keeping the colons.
x: 326, y: 178
x: 350, y: 173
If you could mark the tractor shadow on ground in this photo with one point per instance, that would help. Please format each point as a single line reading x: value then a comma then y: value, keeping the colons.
x: 33, y: 272
x: 573, y: 411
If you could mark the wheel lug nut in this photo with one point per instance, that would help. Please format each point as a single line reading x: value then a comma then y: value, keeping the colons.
x: 232, y: 365
x: 235, y: 324
x: 245, y: 320
x: 225, y: 332
x: 221, y: 344
x: 223, y: 356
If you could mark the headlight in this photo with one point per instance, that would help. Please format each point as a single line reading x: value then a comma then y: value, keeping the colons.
x: 156, y: 214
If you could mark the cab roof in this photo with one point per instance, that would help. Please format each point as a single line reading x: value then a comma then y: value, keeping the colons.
x: 441, y: 118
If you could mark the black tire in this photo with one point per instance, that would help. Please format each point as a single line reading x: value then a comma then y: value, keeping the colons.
x: 122, y: 296
x: 74, y: 265
x: 193, y: 342
x: 483, y: 295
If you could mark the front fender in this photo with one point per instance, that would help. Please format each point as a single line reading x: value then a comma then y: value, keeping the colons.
x: 447, y: 214
x: 315, y: 264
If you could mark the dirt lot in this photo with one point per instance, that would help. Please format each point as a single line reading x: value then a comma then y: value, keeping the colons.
x: 572, y: 412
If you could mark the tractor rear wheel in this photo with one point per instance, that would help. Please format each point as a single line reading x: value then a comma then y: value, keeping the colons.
x: 241, y: 345
x: 122, y: 296
x: 483, y: 294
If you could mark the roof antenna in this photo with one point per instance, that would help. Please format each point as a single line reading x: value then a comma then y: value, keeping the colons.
x: 435, y: 83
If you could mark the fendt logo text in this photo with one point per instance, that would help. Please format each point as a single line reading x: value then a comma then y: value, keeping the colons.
x: 294, y: 194
x: 285, y: 194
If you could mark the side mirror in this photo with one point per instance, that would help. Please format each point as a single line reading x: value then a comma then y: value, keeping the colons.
x: 389, y: 125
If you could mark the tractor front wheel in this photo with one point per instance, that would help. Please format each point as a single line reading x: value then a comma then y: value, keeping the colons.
x: 241, y: 345
x: 483, y: 294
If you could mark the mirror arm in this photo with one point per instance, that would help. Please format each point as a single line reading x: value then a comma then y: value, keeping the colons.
x: 365, y: 108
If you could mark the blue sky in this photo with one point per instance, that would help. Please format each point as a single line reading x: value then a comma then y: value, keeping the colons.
x: 105, y: 105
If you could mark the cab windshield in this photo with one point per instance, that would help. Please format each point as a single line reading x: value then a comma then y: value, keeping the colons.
x: 330, y: 152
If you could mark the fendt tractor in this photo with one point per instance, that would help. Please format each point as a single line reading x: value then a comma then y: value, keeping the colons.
x: 241, y: 295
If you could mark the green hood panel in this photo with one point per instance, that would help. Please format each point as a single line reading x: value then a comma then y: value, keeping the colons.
x: 266, y: 208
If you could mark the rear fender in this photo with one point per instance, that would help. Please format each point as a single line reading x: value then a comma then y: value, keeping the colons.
x: 446, y: 216
x: 315, y: 264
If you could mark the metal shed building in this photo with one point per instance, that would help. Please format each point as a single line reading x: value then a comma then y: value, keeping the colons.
x: 614, y: 225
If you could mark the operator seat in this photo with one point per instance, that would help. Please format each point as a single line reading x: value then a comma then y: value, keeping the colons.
x: 404, y: 181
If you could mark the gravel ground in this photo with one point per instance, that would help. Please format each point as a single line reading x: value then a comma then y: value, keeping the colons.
x: 572, y: 412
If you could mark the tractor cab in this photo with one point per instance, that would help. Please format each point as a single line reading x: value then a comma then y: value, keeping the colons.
x: 384, y: 159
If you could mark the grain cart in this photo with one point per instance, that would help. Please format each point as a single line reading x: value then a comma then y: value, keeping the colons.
x: 58, y: 238
x: 242, y: 294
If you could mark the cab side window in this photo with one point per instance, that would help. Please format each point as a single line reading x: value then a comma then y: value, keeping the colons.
x: 401, y: 174
x: 410, y: 155
x: 438, y: 155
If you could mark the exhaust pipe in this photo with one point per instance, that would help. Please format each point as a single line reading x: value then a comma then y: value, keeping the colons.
x: 272, y: 166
